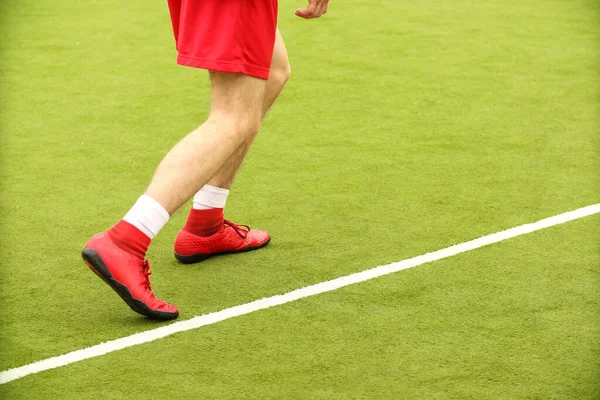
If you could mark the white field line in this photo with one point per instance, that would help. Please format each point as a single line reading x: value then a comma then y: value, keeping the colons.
x: 208, y: 319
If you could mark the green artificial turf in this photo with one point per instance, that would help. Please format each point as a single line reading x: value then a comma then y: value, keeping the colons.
x: 406, y: 127
x: 514, y: 320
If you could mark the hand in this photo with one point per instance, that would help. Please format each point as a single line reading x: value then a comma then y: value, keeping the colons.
x: 315, y: 9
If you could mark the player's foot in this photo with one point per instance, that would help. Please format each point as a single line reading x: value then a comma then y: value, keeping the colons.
x: 230, y: 238
x: 128, y: 275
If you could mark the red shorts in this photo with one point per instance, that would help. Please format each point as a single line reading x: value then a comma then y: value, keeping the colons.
x: 225, y: 35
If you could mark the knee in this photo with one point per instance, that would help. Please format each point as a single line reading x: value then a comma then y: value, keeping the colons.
x: 242, y: 127
x: 248, y: 126
x: 282, y: 75
x: 286, y: 73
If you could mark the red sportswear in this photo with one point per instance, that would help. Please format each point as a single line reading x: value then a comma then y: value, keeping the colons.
x: 225, y: 35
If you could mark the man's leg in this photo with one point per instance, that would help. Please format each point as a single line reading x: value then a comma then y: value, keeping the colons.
x: 117, y: 256
x: 278, y: 77
x: 206, y: 216
x: 235, y: 118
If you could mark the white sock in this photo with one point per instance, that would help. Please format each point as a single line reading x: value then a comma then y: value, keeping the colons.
x: 148, y: 215
x: 210, y: 197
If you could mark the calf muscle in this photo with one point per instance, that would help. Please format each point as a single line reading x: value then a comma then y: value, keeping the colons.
x: 234, y: 119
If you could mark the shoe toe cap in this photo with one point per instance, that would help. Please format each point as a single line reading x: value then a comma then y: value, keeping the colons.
x: 259, y: 237
x: 164, y: 310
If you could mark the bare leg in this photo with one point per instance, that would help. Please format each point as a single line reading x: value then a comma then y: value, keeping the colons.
x: 235, y: 116
x: 279, y: 75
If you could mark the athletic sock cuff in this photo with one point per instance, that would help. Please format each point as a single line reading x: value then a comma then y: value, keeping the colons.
x: 148, y: 215
x: 129, y: 238
x: 210, y: 197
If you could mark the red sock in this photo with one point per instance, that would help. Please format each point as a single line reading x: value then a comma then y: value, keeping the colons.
x: 204, y: 222
x: 130, y: 238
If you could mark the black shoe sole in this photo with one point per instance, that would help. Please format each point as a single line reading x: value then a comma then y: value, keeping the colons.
x: 195, y: 258
x: 94, y: 261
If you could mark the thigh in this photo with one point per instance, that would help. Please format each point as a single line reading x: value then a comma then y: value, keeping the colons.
x: 280, y: 61
x: 237, y: 93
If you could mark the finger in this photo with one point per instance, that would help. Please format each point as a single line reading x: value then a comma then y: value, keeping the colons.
x: 319, y: 10
x: 301, y: 12
x: 308, y: 12
x: 322, y: 8
x: 304, y: 14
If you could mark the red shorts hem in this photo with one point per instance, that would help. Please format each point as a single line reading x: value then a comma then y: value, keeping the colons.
x: 224, y: 66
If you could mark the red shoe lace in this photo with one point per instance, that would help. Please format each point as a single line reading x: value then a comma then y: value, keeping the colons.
x: 147, y: 271
x: 241, y: 230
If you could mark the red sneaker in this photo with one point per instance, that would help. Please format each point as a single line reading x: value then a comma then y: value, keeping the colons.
x: 127, y: 275
x: 231, y: 238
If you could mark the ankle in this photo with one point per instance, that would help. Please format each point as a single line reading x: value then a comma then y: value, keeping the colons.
x: 204, y: 222
x: 129, y: 238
